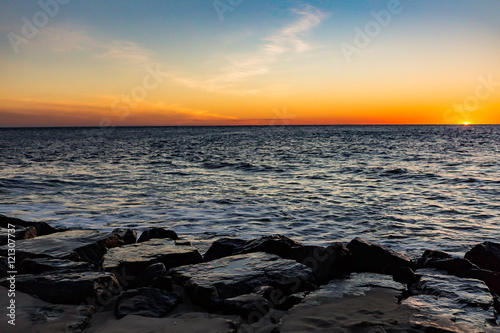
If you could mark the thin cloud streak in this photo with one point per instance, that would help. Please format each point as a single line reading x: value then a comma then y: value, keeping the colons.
x: 288, y: 39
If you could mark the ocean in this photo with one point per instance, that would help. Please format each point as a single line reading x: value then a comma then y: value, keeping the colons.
x: 407, y: 187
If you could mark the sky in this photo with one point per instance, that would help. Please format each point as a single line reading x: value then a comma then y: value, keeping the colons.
x: 248, y: 62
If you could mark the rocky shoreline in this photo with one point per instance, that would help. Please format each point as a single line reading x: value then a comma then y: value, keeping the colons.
x: 67, y: 280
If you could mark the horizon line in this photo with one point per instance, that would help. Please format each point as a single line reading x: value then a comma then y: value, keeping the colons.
x: 281, y: 125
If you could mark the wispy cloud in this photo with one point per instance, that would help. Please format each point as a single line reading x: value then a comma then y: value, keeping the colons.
x: 128, y: 52
x: 73, y: 38
x: 288, y: 39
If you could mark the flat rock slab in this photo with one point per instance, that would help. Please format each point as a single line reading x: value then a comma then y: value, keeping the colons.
x: 452, y: 302
x: 76, y: 245
x: 41, y: 265
x: 35, y: 315
x: 147, y: 302
x: 134, y: 258
x: 67, y: 287
x: 187, y: 322
x: 209, y: 284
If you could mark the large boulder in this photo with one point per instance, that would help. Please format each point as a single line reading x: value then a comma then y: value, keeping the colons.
x: 42, y: 228
x: 485, y: 255
x: 209, y: 284
x: 158, y: 233
x: 134, y: 258
x: 67, y: 287
x: 76, y: 245
x: 224, y: 247
x: 375, y: 258
x: 147, y: 302
x: 326, y: 263
x: 273, y: 244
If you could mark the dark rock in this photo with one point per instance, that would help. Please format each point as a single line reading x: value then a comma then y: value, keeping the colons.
x: 289, y: 302
x: 491, y: 278
x: 440, y: 297
x: 371, y: 257
x: 128, y: 236
x: 224, y: 247
x: 4, y: 266
x: 432, y: 255
x: 42, y: 228
x: 77, y: 245
x: 18, y: 234
x: 147, y: 302
x: 453, y: 266
x: 273, y: 244
x: 246, y: 306
x: 264, y: 291
x: 67, y: 287
x: 157, y: 233
x: 209, y: 284
x: 40, y: 265
x: 149, y: 276
x: 329, y: 263
x: 405, y: 275
x: 163, y: 282
x: 486, y: 256
x: 182, y: 243
x: 134, y: 258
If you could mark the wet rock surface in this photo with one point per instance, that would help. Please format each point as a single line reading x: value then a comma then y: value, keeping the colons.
x: 451, y: 302
x: 76, y: 245
x: 209, y: 284
x: 135, y: 258
x: 147, y: 302
x: 40, y: 265
x: 67, y: 287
